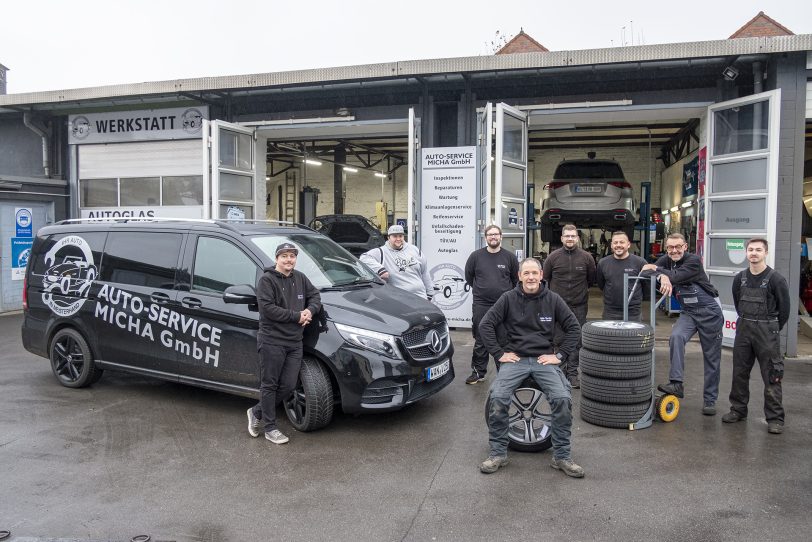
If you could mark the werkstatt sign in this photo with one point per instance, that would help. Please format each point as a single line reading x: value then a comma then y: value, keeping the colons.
x: 145, y: 125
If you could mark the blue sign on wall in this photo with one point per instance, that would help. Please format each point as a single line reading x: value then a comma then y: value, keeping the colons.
x: 25, y: 221
x: 20, y: 251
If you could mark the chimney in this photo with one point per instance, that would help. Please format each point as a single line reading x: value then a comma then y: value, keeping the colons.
x: 3, y: 71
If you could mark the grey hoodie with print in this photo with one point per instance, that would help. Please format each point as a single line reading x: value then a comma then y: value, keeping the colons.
x: 407, y: 268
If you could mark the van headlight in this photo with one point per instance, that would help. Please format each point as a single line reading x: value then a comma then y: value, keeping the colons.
x: 371, y: 340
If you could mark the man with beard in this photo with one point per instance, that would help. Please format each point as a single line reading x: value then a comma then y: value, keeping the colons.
x: 761, y: 297
x: 682, y: 273
x: 570, y: 271
x: 610, y: 279
x: 400, y: 264
x: 491, y: 271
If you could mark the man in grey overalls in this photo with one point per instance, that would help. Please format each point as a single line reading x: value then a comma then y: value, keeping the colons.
x: 761, y: 297
x: 682, y: 273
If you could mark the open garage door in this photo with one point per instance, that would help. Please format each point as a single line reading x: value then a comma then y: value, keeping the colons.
x: 503, y: 174
x: 233, y: 171
x: 413, y: 188
x: 742, y: 189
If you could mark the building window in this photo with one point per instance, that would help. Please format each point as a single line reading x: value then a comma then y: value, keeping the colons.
x: 140, y: 191
x: 99, y: 192
x: 186, y: 190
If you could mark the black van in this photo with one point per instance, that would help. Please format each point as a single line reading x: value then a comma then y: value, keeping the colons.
x: 175, y: 299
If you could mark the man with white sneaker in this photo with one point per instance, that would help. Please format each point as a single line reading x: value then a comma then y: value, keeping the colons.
x: 288, y: 301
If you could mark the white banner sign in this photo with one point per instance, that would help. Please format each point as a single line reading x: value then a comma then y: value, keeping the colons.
x: 152, y: 124
x: 448, y: 226
x: 166, y: 211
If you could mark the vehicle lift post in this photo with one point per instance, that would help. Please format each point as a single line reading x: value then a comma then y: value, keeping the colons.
x: 666, y: 407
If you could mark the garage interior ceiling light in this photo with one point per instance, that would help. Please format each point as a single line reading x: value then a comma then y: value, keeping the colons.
x: 687, y: 204
x: 675, y: 209
x: 350, y: 169
x: 381, y: 175
x: 313, y: 162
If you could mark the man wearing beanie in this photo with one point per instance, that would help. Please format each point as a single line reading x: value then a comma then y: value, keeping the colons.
x: 400, y: 264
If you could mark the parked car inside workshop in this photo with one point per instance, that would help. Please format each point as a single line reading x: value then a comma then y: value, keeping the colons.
x: 175, y: 299
x: 590, y: 193
x: 356, y: 233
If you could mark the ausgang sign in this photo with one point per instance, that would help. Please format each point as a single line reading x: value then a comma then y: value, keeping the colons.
x: 144, y: 125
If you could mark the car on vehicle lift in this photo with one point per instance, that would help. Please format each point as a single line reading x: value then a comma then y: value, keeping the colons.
x: 355, y: 233
x: 590, y: 193
x: 175, y: 300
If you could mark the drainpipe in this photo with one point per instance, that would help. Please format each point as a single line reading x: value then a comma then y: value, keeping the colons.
x: 44, y: 133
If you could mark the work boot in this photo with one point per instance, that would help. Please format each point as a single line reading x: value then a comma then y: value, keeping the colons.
x: 775, y: 428
x: 733, y: 417
x: 709, y: 409
x: 475, y: 378
x: 672, y: 388
x: 493, y: 464
x: 574, y: 382
x: 568, y: 467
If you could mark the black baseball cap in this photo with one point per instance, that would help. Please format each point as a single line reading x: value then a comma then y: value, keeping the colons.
x: 286, y: 247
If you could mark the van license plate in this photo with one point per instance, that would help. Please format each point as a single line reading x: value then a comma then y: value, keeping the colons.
x: 584, y: 188
x: 433, y: 373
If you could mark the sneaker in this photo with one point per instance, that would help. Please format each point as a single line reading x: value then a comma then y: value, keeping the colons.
x: 569, y: 468
x: 733, y: 417
x: 253, y: 423
x: 492, y: 464
x: 709, y: 409
x: 475, y: 378
x: 574, y: 382
x: 775, y: 428
x: 672, y: 388
x: 277, y: 437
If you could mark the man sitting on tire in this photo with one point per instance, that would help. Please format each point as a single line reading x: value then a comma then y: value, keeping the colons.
x: 529, y: 314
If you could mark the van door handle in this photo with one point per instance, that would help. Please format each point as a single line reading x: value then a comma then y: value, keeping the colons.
x: 191, y: 302
x: 158, y: 297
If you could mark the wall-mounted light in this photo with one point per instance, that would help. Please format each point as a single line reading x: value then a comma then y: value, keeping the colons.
x: 730, y: 73
x: 674, y: 209
x: 687, y: 204
x: 350, y: 169
x: 312, y: 162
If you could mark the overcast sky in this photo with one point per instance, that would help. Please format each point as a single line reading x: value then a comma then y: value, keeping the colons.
x: 57, y: 44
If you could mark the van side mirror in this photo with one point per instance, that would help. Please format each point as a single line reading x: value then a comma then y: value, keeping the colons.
x: 240, y: 294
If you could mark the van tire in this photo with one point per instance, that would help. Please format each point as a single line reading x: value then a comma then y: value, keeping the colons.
x: 612, y: 415
x: 615, y: 391
x: 310, y: 406
x: 71, y: 359
x: 617, y: 337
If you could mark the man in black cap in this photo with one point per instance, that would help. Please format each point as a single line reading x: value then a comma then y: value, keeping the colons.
x: 287, y: 303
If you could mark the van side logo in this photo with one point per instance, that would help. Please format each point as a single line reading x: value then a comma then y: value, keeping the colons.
x: 67, y: 281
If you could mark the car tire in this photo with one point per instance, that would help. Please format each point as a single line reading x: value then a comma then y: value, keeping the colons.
x: 71, y: 359
x: 529, y: 420
x: 614, y: 366
x: 612, y: 415
x: 310, y: 406
x: 546, y: 233
x: 617, y: 337
x: 616, y: 391
x: 629, y: 231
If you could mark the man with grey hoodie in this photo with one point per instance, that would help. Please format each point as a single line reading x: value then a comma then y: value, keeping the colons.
x: 400, y: 264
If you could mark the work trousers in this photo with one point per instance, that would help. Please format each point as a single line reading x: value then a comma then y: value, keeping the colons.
x: 554, y: 385
x: 570, y: 367
x: 708, y: 322
x: 279, y: 367
x: 480, y: 356
x: 756, y: 340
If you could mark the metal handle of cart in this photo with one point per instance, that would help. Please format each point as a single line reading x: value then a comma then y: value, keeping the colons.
x: 647, y: 418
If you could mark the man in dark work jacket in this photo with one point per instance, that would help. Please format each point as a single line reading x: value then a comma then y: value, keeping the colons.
x: 570, y: 271
x: 529, y: 314
x: 287, y: 303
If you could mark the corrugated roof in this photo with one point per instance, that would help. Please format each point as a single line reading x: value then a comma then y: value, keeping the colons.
x: 413, y: 68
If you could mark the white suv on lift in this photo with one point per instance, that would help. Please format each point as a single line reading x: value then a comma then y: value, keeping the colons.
x: 591, y: 193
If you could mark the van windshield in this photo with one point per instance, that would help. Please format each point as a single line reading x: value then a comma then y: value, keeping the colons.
x: 324, y: 262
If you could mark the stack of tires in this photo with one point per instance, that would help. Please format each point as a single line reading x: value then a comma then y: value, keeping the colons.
x: 616, y: 363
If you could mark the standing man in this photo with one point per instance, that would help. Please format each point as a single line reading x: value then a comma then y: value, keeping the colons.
x: 761, y: 297
x: 682, y: 273
x: 400, y: 264
x: 491, y: 271
x: 570, y: 271
x: 610, y: 279
x: 529, y: 314
x: 287, y: 303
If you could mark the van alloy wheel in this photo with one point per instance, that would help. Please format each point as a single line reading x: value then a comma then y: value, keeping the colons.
x: 71, y: 359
